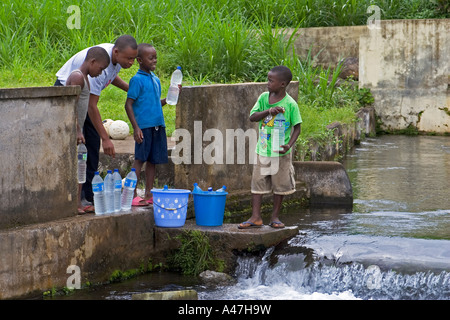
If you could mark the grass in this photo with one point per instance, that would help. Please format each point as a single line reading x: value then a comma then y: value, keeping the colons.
x: 215, y: 41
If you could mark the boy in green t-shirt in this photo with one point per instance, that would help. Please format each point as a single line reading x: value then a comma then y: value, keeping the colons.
x: 279, y: 127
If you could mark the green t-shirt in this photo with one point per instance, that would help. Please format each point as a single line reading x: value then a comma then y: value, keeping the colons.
x: 273, y: 128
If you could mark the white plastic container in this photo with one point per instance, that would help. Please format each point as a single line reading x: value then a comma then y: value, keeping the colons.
x: 117, y: 190
x: 109, y: 192
x: 82, y: 157
x: 128, y: 190
x: 174, y: 91
x: 278, y: 132
x: 98, y: 187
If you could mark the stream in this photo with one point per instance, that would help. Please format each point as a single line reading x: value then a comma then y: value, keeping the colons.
x: 393, y: 245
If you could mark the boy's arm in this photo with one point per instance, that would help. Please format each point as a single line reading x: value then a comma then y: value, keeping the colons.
x: 257, y: 116
x: 94, y: 115
x: 119, y: 83
x: 294, y: 136
x: 138, y: 135
x: 76, y: 79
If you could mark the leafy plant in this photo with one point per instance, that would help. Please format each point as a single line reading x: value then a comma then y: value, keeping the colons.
x: 195, y: 253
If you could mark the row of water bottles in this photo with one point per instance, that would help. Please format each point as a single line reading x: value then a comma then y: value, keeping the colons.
x: 108, y: 194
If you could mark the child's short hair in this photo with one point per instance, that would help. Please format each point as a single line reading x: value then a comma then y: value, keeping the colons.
x: 98, y: 53
x: 125, y: 41
x: 143, y: 46
x: 284, y: 72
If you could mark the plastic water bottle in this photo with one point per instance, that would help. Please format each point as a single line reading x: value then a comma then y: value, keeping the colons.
x: 221, y: 189
x: 98, y: 187
x: 197, y: 189
x: 174, y: 91
x: 128, y: 190
x: 117, y: 189
x: 278, y: 132
x: 109, y: 192
x: 82, y: 157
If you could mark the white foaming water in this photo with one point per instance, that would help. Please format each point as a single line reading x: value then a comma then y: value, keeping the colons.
x: 257, y: 281
x: 296, y: 277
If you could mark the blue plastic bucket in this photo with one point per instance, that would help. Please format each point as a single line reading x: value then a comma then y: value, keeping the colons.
x: 170, y: 207
x: 209, y: 207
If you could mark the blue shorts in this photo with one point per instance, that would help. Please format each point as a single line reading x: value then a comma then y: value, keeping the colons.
x: 154, y: 146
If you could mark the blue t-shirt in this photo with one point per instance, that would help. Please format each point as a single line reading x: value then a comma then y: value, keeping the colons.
x: 145, y: 90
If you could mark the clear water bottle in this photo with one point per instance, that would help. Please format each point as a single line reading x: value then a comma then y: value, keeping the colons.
x: 197, y: 189
x: 128, y: 190
x: 174, y: 91
x: 98, y: 187
x: 223, y: 189
x: 82, y: 157
x: 109, y: 192
x: 117, y: 190
x: 278, y: 132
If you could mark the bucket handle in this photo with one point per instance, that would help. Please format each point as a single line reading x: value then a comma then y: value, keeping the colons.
x: 170, y: 209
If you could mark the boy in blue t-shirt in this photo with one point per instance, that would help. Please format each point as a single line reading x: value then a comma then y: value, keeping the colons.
x: 144, y: 109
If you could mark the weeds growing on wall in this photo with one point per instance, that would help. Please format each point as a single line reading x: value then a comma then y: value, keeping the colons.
x: 195, y: 254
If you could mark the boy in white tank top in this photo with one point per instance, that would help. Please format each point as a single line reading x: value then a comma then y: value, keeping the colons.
x: 97, y: 59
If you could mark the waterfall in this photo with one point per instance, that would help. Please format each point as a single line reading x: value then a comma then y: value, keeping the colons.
x: 291, y: 278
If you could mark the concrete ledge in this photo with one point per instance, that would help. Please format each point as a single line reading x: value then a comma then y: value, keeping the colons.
x: 228, y: 238
x: 39, y: 92
x: 35, y: 258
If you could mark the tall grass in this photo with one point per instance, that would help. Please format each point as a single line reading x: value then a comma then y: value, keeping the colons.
x: 225, y: 40
x: 214, y: 41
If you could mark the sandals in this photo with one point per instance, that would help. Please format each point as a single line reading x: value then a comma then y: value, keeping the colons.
x: 86, y: 209
x: 139, y: 202
x: 249, y: 225
x: 277, y: 225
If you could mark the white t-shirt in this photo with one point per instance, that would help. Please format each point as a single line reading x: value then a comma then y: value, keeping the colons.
x: 98, y: 83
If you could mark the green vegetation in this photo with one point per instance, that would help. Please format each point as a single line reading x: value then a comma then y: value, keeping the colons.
x: 195, y: 254
x: 214, y: 41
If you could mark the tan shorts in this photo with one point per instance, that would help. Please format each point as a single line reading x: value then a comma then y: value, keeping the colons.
x: 273, y: 174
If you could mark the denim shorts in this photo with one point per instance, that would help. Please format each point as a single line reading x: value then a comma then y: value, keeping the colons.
x: 154, y: 146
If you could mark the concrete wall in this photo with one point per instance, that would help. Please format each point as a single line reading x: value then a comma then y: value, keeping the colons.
x: 37, y: 155
x: 222, y: 108
x: 35, y: 258
x: 329, y: 44
x: 406, y: 66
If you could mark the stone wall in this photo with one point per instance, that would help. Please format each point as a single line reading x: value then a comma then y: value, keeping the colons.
x: 404, y: 63
x: 406, y: 66
x: 328, y: 44
x: 37, y: 155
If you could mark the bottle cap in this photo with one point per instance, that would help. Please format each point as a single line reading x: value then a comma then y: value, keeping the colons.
x: 179, y: 68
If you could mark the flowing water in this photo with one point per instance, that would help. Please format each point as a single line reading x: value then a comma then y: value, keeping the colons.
x: 393, y: 244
